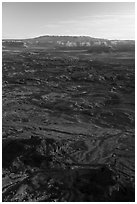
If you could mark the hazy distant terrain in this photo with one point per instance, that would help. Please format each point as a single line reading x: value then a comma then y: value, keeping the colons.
x: 72, y: 42
x: 68, y: 119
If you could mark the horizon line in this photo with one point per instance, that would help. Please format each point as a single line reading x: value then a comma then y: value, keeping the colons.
x: 27, y: 38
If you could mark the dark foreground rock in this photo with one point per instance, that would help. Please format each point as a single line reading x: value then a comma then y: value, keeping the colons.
x: 68, y: 127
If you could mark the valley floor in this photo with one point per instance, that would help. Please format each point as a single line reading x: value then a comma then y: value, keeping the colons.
x: 68, y: 126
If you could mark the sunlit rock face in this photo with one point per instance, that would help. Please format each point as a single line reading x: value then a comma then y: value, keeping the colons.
x: 68, y: 126
x: 71, y: 42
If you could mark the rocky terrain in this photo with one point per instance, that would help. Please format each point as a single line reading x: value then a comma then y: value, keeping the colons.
x: 71, y: 43
x: 68, y: 122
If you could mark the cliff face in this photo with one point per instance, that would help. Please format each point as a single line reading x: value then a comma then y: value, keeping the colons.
x: 71, y: 42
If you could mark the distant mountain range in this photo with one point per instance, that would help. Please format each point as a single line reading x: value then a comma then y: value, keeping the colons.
x: 70, y: 42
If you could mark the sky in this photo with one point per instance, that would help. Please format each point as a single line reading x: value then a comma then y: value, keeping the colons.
x: 109, y: 20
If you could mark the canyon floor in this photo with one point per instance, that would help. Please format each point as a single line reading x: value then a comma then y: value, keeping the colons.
x: 68, y: 126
